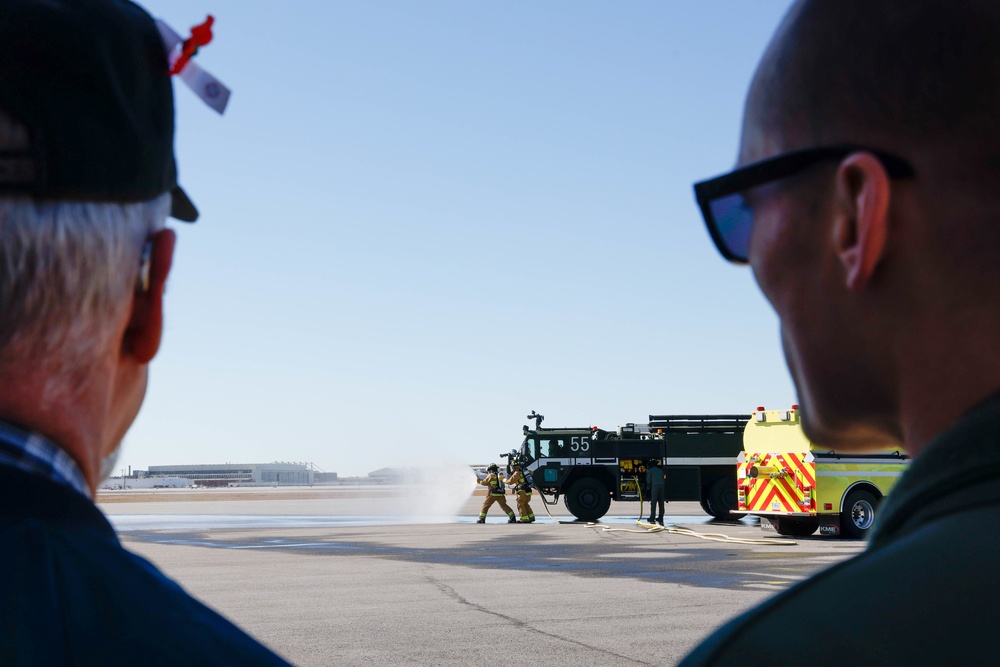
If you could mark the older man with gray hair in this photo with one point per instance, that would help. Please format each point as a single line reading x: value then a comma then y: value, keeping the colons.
x: 87, y: 180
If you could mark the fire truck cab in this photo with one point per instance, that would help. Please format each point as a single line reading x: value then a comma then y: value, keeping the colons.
x: 795, y: 486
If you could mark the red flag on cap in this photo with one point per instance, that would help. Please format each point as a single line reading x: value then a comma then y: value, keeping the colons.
x: 200, y: 36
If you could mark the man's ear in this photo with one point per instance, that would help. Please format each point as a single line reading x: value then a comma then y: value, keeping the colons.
x: 862, y: 227
x: 145, y: 326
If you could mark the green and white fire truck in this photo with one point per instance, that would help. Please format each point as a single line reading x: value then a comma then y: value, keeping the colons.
x: 589, y: 467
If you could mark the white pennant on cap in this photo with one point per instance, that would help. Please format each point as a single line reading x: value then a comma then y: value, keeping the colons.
x: 210, y: 90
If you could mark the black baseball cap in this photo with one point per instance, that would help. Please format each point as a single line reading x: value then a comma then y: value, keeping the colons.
x: 89, y: 80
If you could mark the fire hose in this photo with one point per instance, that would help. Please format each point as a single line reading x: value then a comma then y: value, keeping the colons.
x: 671, y: 529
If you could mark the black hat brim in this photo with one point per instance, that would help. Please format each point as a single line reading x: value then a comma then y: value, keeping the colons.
x: 181, y: 206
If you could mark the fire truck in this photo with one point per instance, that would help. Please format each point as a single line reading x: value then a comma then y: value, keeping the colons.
x: 795, y: 486
x: 589, y: 467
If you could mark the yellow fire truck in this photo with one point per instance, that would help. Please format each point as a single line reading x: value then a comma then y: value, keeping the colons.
x: 795, y: 486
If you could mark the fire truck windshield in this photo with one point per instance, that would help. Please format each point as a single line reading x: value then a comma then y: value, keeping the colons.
x: 527, y: 449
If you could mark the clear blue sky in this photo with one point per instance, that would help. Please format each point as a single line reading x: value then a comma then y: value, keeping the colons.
x: 422, y: 220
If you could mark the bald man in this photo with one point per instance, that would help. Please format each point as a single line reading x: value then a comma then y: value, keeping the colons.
x: 866, y: 202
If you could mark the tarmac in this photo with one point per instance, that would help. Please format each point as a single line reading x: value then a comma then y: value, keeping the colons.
x: 351, y: 576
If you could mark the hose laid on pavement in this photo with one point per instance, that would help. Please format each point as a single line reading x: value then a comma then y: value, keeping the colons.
x: 712, y: 537
x: 671, y: 529
x: 545, y: 504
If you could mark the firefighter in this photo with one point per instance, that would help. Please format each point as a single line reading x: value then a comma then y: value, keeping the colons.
x: 655, y: 480
x: 522, y: 486
x: 495, y: 494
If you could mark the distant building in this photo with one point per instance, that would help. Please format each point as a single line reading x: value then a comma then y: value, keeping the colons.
x: 146, y: 482
x: 241, y: 474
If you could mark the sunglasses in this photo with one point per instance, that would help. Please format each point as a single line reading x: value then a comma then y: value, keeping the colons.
x: 730, y: 218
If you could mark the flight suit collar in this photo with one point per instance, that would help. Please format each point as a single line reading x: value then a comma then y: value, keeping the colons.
x: 959, y: 470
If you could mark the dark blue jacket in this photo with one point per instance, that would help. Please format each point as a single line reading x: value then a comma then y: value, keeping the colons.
x: 72, y: 595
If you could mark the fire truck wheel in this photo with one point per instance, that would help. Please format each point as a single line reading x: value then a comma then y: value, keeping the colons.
x: 721, y: 499
x: 797, y: 527
x: 588, y: 499
x: 859, y: 514
x: 704, y: 506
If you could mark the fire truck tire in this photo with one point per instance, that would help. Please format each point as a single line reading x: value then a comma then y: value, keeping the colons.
x: 797, y: 527
x: 858, y: 514
x: 588, y: 499
x: 721, y: 498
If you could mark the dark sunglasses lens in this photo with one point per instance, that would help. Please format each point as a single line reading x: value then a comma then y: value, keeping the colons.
x: 733, y: 221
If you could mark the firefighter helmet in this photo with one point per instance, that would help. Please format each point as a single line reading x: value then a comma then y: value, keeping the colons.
x: 493, y: 467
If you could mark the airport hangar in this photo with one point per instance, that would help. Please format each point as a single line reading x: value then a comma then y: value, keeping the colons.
x: 243, y: 474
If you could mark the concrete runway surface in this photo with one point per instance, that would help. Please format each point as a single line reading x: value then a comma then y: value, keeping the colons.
x: 346, y: 576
